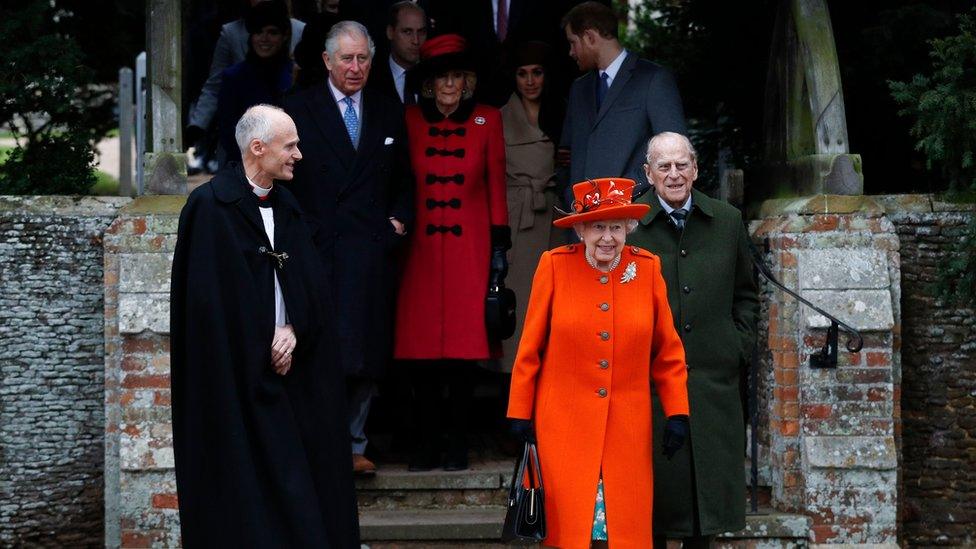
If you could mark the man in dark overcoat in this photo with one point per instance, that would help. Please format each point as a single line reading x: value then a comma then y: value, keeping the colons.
x: 355, y: 184
x: 259, y: 434
x: 617, y: 105
x: 706, y: 263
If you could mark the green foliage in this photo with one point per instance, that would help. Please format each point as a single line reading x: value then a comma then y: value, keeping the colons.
x: 943, y: 107
x: 48, y: 102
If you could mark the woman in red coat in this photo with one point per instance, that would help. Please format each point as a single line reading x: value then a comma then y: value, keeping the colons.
x: 457, y: 152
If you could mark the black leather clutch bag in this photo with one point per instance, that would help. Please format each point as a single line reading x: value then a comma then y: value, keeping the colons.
x: 500, y: 312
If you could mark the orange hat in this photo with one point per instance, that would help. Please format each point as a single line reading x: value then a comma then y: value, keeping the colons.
x: 604, y: 198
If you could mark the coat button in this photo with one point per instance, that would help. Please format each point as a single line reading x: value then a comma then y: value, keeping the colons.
x: 604, y: 306
x: 684, y: 253
x: 688, y: 327
x: 604, y: 364
x: 604, y: 279
x: 604, y: 335
x: 686, y: 290
x: 687, y: 366
x: 602, y: 392
x: 635, y: 250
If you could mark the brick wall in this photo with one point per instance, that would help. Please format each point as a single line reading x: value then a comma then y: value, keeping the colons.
x: 832, y: 453
x: 141, y: 504
x: 51, y: 370
x: 938, y: 435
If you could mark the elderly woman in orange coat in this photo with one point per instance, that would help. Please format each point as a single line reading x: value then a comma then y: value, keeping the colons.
x: 598, y: 330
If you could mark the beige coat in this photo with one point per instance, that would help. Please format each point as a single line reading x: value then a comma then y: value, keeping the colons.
x: 530, y: 175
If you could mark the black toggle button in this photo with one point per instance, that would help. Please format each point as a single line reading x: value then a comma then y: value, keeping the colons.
x: 452, y: 203
x: 433, y: 151
x: 434, y: 132
x: 453, y: 229
x: 684, y: 253
x: 688, y: 327
x: 686, y: 290
x: 456, y: 178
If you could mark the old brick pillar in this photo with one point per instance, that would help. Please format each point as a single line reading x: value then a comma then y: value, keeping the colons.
x: 832, y: 431
x: 140, y: 484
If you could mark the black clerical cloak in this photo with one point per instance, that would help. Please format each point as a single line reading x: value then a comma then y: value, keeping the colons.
x: 262, y: 460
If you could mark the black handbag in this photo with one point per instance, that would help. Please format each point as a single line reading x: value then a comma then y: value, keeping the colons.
x: 500, y: 312
x: 525, y: 519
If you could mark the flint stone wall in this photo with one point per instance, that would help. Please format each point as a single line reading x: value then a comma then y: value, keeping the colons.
x: 938, y: 400
x: 51, y: 370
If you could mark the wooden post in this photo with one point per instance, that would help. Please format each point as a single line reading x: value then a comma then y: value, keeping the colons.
x: 806, y: 146
x: 165, y: 163
x: 126, y: 121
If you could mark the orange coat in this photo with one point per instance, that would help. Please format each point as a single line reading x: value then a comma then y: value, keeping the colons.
x: 590, y: 346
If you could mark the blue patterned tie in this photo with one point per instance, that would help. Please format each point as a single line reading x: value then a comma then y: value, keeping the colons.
x: 352, y: 122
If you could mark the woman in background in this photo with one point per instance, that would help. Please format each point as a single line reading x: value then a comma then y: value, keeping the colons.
x: 263, y: 77
x: 533, y: 122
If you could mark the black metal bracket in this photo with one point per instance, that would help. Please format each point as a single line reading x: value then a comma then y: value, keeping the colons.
x: 827, y: 356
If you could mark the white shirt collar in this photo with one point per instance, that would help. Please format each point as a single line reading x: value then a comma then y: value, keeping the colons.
x: 667, y: 207
x: 257, y: 189
x: 614, y: 67
x: 396, y: 69
x: 339, y: 96
x: 399, y: 77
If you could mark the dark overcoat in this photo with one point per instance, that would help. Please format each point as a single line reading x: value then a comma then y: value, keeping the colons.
x: 262, y: 460
x: 349, y: 195
x: 712, y: 293
x: 612, y: 139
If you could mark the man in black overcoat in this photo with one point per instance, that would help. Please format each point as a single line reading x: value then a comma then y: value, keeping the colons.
x: 355, y: 184
x: 258, y: 399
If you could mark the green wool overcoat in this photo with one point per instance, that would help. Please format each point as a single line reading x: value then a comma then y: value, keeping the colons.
x: 712, y: 293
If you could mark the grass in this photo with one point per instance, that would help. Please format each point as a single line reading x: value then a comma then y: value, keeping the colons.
x: 105, y: 185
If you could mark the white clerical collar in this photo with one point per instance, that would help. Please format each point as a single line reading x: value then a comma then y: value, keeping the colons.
x: 614, y: 67
x: 258, y: 190
x: 395, y: 68
x: 339, y: 96
x: 667, y: 207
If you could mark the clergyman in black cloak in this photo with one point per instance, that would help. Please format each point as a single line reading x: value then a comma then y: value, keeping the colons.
x: 259, y: 418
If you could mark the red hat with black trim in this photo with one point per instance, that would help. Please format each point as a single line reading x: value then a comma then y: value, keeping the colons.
x: 603, y: 198
x: 441, y: 54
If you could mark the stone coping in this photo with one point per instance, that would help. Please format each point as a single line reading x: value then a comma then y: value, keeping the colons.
x: 85, y: 206
x: 872, y: 205
x: 155, y: 205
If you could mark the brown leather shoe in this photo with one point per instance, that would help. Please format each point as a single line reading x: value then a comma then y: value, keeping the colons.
x: 362, y: 466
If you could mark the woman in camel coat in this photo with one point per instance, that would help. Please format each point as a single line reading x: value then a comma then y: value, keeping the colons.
x: 597, y: 331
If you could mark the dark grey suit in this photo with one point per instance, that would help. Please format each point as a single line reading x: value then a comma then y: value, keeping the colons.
x: 642, y: 101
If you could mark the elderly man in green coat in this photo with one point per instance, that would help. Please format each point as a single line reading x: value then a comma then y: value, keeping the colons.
x: 712, y: 292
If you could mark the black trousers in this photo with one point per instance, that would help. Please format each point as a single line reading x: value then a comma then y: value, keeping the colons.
x: 441, y: 392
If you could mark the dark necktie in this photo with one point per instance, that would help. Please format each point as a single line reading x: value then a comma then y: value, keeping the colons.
x: 501, y: 25
x: 602, y: 87
x: 679, y: 216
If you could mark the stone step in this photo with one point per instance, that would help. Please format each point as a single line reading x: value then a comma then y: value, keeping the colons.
x: 482, y: 526
x: 444, y: 525
x: 485, y: 484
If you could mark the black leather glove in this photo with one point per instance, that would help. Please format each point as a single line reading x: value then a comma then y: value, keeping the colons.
x: 675, y: 432
x: 501, y: 241
x: 523, y: 430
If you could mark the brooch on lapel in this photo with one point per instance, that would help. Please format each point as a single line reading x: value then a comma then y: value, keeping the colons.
x: 630, y: 273
x: 479, y: 120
